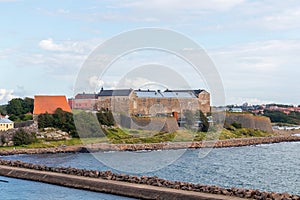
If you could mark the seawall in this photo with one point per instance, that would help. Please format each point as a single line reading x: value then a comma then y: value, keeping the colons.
x: 107, y: 186
x: 153, y: 146
x: 132, y: 186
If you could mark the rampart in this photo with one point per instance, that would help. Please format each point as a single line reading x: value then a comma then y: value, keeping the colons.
x: 249, y: 121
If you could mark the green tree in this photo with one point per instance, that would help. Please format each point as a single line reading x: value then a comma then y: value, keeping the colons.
x: 60, y: 119
x: 18, y: 108
x: 280, y: 117
x: 105, y: 117
x: 3, y: 110
x: 15, y: 107
x: 205, y: 125
x: 28, y: 105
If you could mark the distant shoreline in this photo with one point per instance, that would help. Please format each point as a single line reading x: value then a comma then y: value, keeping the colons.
x: 152, y: 146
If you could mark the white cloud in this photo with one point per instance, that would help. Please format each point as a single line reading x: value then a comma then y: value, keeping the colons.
x: 286, y: 19
x: 68, y: 45
x: 138, y: 82
x: 4, y: 1
x: 145, y: 11
x: 265, y: 70
x: 95, y: 82
x: 175, y: 5
x: 5, y: 53
x: 259, y: 56
x: 61, y: 60
x: 6, y: 95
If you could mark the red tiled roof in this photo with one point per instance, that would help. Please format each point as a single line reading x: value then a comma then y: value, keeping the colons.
x: 49, y: 104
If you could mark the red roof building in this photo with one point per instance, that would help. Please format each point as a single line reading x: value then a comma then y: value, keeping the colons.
x: 48, y: 104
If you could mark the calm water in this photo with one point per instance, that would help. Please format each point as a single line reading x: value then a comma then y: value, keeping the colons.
x: 271, y: 167
x: 17, y: 189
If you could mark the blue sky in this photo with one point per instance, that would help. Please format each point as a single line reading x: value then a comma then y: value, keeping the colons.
x: 255, y: 45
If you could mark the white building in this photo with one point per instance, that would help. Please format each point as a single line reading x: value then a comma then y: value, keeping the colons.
x: 6, y: 124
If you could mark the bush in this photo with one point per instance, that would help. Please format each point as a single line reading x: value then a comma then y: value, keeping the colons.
x: 105, y: 117
x: 60, y: 119
x: 236, y: 125
x: 22, y: 137
x: 87, y: 125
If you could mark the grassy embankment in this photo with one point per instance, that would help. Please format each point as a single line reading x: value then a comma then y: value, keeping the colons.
x: 127, y: 136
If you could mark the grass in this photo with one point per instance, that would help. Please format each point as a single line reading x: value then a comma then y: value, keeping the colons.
x: 137, y: 136
x: 119, y: 136
x: 49, y: 144
x: 127, y: 136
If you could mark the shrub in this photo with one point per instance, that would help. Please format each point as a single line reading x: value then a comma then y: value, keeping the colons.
x: 87, y: 125
x: 22, y: 137
x: 236, y: 125
x: 105, y: 117
x: 60, y: 119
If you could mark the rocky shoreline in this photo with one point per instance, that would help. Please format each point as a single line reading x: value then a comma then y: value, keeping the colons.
x: 155, y: 181
x: 152, y: 146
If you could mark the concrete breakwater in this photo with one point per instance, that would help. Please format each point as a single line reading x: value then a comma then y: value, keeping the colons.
x: 134, y: 186
x: 153, y: 146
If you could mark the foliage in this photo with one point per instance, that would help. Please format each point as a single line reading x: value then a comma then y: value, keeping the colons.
x: 242, y: 133
x: 116, y: 136
x: 236, y: 125
x: 191, y: 118
x: 279, y: 105
x: 87, y: 125
x: 203, y: 119
x: 60, y: 119
x: 280, y: 117
x: 230, y: 134
x: 22, y: 137
x: 20, y: 118
x: 3, y: 109
x: 18, y: 108
x: 105, y: 117
x: 47, y: 144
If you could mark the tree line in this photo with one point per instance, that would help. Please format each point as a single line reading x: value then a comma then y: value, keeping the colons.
x: 18, y: 109
x: 280, y: 117
x: 87, y: 123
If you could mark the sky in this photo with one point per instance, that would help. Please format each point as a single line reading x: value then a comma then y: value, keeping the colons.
x: 255, y: 45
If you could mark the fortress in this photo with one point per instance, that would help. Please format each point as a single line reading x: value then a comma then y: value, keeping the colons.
x: 144, y: 102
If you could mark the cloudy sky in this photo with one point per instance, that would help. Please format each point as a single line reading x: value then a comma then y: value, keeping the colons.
x: 255, y: 45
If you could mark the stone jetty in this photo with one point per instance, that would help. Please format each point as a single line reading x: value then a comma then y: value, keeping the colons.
x: 142, y: 187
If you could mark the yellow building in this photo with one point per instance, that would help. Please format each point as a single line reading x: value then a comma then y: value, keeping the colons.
x: 6, y: 124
